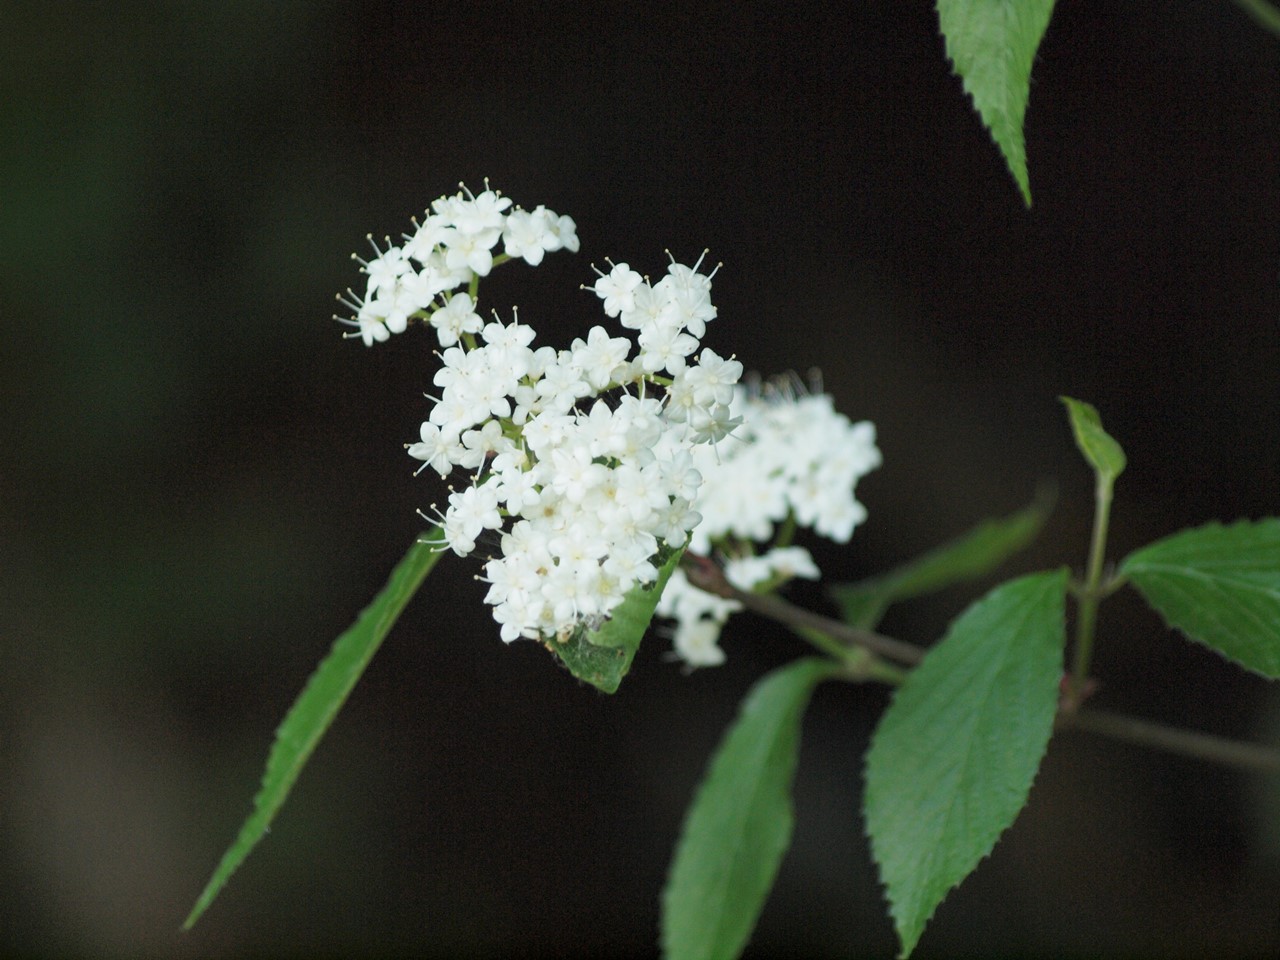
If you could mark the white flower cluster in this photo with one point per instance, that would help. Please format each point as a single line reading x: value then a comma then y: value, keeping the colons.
x: 589, y: 465
x: 580, y: 460
x: 798, y: 462
x: 449, y: 249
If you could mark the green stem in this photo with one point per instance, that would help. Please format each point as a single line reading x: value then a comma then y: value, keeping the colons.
x: 775, y: 608
x: 883, y: 671
x: 866, y: 656
x: 1087, y: 616
x: 820, y: 641
x: 859, y: 663
x: 786, y: 532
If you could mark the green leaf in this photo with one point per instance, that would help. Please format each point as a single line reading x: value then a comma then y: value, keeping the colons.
x: 603, y: 656
x: 1264, y: 14
x: 967, y: 557
x: 953, y: 758
x: 1103, y: 453
x: 602, y: 667
x: 992, y: 44
x: 316, y: 707
x: 739, y: 824
x: 1220, y: 586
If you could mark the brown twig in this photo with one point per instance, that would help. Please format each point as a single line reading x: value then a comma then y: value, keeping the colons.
x: 705, y: 574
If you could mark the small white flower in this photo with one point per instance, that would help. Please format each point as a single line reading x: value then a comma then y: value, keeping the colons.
x: 664, y: 347
x: 793, y: 562
x: 530, y: 235
x: 471, y: 251
x: 437, y: 450
x: 546, y: 431
x: 713, y: 379
x: 426, y: 239
x: 674, y: 521
x: 519, y: 490
x: 456, y: 317
x: 695, y: 642
x: 617, y: 289
x: 713, y: 424
x: 470, y: 512
x: 509, y: 345
x: 600, y: 356
x: 573, y: 473
x: 480, y: 214
x: 651, y: 307
x: 566, y: 232
x: 480, y: 443
x: 682, y: 601
x: 561, y: 385
x: 372, y: 328
x: 386, y: 269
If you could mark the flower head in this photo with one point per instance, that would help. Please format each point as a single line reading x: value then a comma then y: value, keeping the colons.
x: 578, y: 461
x: 792, y: 456
x: 579, y: 471
x: 454, y: 244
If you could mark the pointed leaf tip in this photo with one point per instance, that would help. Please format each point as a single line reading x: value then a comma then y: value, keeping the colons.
x: 1220, y: 585
x: 602, y: 657
x: 1099, y: 448
x: 992, y: 44
x: 315, y: 709
x: 953, y: 759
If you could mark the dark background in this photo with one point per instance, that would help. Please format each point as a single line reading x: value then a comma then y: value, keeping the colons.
x: 201, y: 483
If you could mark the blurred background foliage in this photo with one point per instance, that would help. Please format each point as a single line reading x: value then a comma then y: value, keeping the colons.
x: 201, y: 483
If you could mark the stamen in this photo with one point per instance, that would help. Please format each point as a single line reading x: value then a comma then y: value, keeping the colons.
x: 355, y: 304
